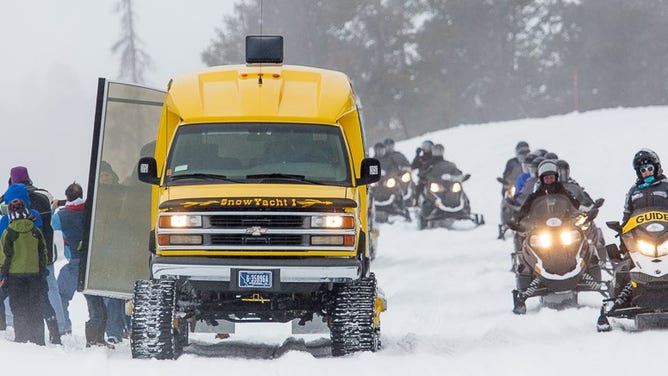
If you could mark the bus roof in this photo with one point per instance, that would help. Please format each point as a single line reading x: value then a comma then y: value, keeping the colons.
x: 284, y: 93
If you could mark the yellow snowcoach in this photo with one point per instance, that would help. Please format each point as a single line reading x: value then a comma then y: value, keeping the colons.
x: 258, y: 210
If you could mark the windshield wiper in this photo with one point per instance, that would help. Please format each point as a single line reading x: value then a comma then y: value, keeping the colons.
x: 199, y: 175
x: 288, y: 177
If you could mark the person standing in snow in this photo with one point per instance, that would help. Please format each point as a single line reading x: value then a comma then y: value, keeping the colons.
x: 22, y: 270
x: 40, y: 200
x: 70, y: 221
x: 19, y: 191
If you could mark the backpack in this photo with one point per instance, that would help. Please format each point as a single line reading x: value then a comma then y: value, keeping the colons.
x: 40, y: 200
x: 22, y: 263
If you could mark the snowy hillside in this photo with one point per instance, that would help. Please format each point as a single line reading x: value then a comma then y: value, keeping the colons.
x: 448, y: 292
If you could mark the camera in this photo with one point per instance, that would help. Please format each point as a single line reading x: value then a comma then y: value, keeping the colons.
x: 61, y: 202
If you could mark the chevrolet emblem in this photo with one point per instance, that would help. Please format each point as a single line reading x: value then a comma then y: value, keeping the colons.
x: 256, y: 231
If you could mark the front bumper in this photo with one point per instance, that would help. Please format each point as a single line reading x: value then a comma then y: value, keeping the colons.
x: 311, y: 270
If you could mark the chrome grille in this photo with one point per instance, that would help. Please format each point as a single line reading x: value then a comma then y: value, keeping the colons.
x: 268, y: 221
x: 268, y: 240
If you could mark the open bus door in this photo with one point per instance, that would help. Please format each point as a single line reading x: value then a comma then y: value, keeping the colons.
x: 117, y: 222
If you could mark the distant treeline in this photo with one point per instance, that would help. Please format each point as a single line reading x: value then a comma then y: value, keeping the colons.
x: 422, y: 65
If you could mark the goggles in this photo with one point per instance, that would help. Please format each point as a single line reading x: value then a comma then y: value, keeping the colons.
x: 646, y: 167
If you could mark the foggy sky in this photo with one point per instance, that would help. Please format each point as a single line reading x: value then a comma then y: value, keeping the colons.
x: 53, y: 54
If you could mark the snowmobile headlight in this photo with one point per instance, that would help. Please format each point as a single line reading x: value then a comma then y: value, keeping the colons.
x: 391, y: 183
x: 541, y: 240
x: 180, y: 221
x: 646, y: 248
x: 333, y: 221
x: 435, y: 187
x: 406, y: 177
x: 511, y: 191
x: 569, y: 237
x: 662, y: 248
x: 456, y: 187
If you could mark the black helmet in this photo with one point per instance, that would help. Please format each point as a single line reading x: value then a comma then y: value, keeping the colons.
x: 533, y: 169
x: 541, y: 152
x: 427, y: 145
x: 521, y: 144
x: 389, y: 144
x: 438, y: 150
x: 379, y: 149
x: 564, y: 171
x: 551, y: 155
x: 647, y: 156
x: 526, y: 163
x: 521, y: 153
x: 548, y: 167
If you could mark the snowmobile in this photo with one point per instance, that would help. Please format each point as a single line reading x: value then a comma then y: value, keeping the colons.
x: 556, y: 260
x: 640, y: 283
x: 443, y: 202
x: 388, y: 197
x: 408, y: 186
x: 508, y: 208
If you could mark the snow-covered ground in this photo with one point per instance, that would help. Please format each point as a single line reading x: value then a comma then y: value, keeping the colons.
x: 448, y: 292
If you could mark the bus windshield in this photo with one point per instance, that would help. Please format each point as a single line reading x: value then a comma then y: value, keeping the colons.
x: 258, y: 152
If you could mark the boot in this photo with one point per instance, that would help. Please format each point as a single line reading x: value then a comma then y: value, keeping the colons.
x: 95, y: 334
x: 3, y: 321
x: 54, y: 332
x: 603, y: 325
x: 520, y: 307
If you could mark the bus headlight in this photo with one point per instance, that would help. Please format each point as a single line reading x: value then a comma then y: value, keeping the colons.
x: 332, y: 221
x: 180, y: 221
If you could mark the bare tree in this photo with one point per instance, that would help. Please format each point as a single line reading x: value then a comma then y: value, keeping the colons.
x: 134, y: 60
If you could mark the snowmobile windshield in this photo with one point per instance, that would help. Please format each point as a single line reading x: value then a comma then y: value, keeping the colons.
x: 549, y: 207
x: 654, y: 220
x: 242, y: 152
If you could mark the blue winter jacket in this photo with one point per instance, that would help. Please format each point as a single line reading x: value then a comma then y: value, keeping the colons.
x: 19, y: 191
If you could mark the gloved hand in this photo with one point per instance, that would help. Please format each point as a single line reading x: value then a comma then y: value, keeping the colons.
x: 592, y: 214
x: 418, y: 151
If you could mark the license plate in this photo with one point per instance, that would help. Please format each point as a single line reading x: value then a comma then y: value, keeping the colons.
x: 255, y: 279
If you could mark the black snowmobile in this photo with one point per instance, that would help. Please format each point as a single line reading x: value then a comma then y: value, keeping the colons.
x: 408, y: 186
x: 388, y: 197
x: 640, y: 283
x: 443, y: 202
x: 508, y: 208
x: 556, y: 260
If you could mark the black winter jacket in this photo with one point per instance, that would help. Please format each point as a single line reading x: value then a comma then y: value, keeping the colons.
x: 653, y: 196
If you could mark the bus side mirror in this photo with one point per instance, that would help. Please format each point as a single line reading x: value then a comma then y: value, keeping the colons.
x: 147, y: 170
x: 370, y: 171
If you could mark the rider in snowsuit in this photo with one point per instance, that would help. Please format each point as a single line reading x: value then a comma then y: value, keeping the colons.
x: 548, y: 174
x: 650, y: 190
x: 421, y: 162
x: 514, y: 166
